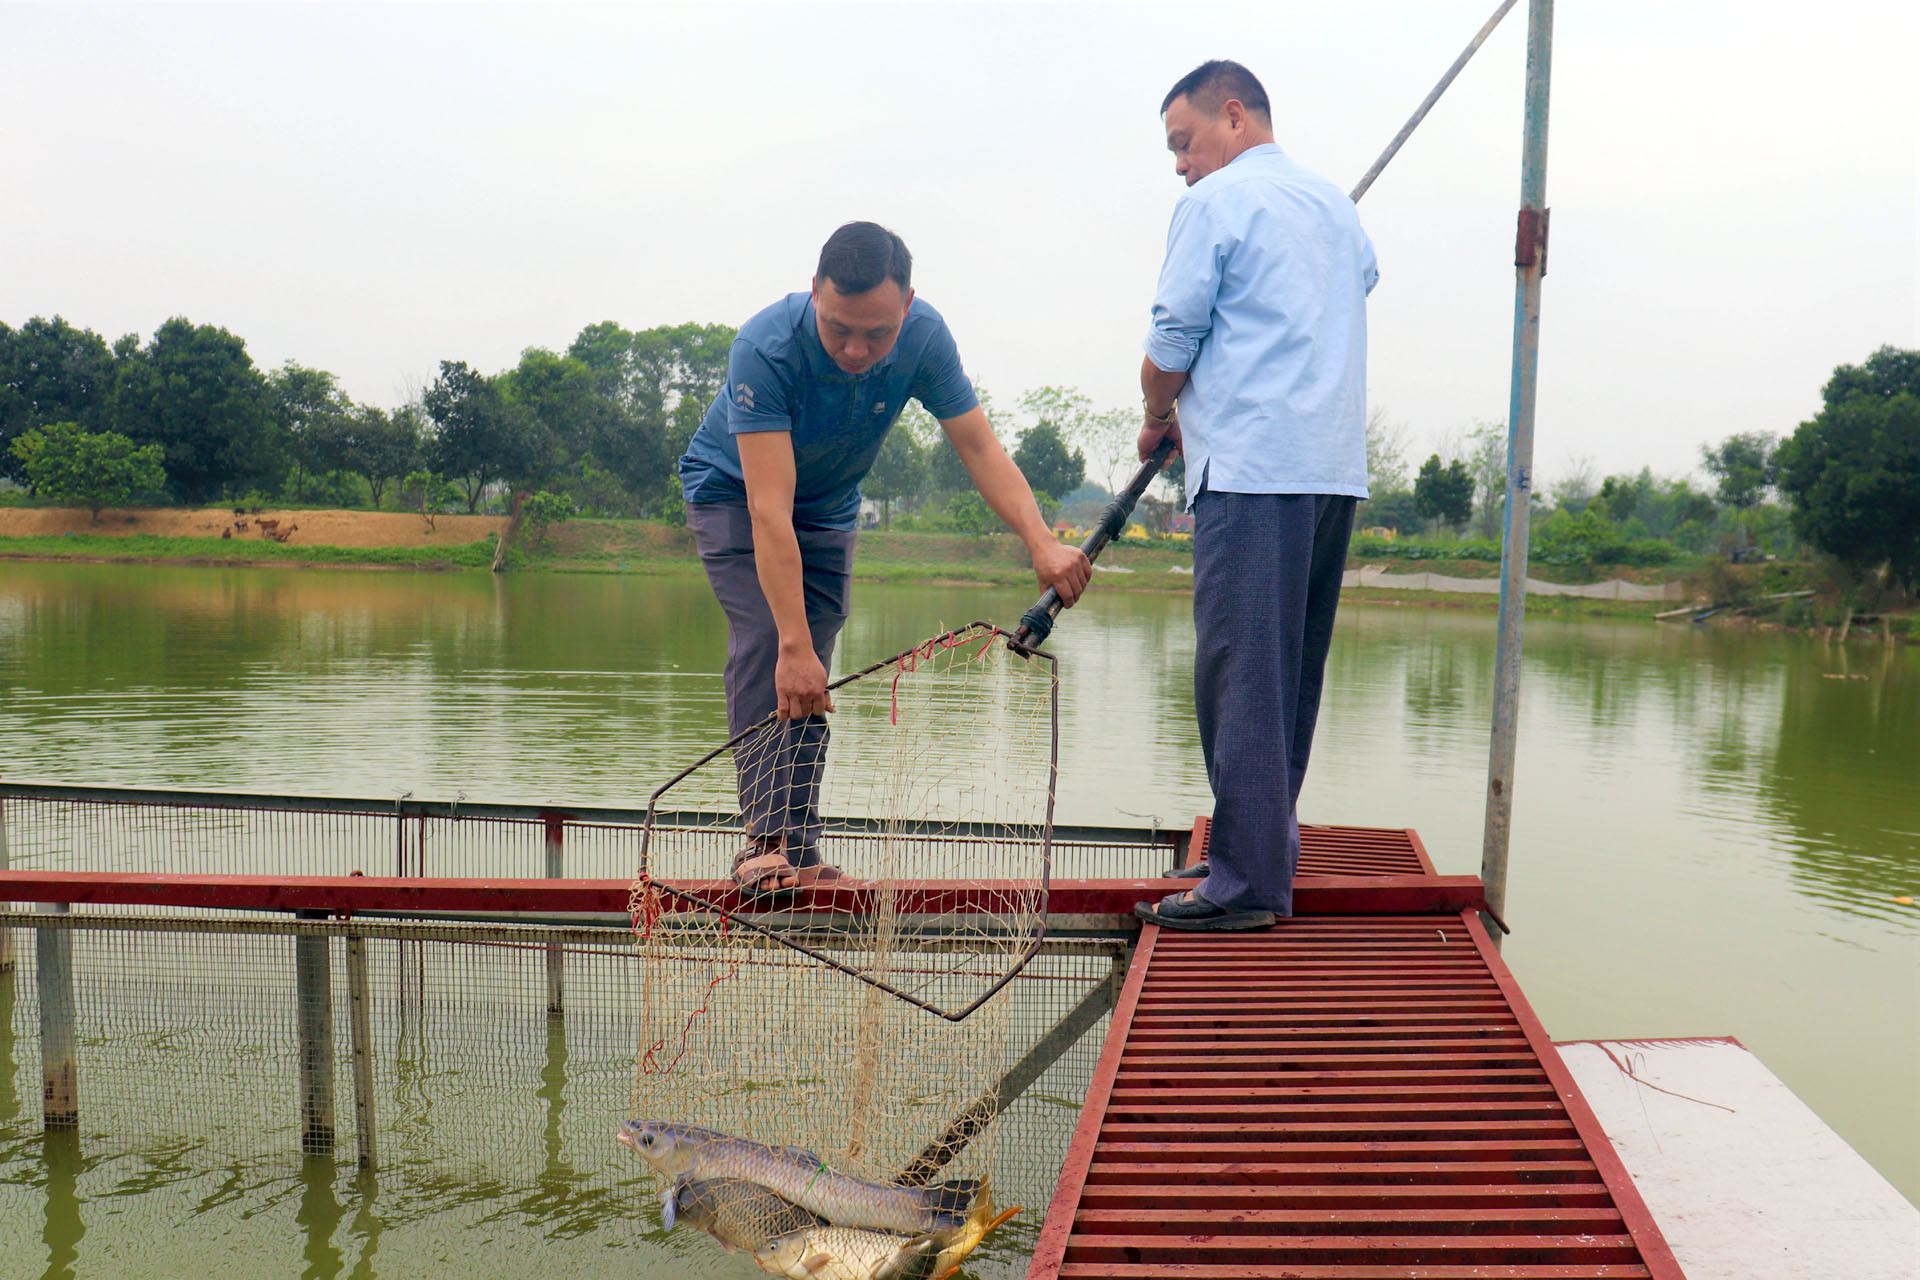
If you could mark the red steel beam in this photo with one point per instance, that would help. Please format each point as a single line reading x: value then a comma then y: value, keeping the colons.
x: 1057, y: 1227
x: 346, y: 895
x: 1654, y: 1250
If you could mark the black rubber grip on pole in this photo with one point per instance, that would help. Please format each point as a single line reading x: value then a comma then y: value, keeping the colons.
x: 1036, y: 624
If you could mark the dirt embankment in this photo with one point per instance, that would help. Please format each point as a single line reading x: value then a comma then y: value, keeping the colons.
x: 294, y: 528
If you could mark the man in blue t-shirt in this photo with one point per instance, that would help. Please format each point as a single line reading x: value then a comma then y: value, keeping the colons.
x: 772, y: 483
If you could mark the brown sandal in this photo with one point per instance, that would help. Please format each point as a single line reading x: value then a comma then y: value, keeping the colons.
x: 757, y: 863
x: 819, y: 873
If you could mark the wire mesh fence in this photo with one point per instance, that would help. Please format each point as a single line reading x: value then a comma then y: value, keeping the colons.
x: 219, y: 1080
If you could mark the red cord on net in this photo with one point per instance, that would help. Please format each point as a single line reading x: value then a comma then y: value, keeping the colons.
x: 648, y: 1064
x: 910, y: 660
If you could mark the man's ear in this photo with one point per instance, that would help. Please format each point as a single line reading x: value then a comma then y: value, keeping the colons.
x: 908, y: 303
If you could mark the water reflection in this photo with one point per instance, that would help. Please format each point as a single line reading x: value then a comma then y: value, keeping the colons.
x: 61, y: 1161
x: 1842, y: 778
x: 1708, y: 833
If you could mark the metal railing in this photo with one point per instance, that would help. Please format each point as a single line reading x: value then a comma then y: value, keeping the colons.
x: 54, y: 827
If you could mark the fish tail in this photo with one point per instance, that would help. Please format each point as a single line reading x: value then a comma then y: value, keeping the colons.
x: 982, y: 1213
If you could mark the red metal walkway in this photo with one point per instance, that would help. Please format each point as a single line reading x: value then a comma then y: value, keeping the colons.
x: 1356, y: 1096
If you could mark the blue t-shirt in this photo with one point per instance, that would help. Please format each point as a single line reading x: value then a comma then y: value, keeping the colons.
x: 779, y: 378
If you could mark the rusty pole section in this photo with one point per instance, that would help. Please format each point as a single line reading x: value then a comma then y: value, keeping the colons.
x: 556, y: 954
x: 313, y: 996
x: 360, y: 1024
x: 1530, y: 264
x: 59, y: 1046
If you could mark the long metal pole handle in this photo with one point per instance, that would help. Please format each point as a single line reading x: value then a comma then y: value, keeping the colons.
x: 1036, y: 624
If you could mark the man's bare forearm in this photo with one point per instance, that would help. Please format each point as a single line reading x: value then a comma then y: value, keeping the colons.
x: 1159, y: 388
x: 776, y: 559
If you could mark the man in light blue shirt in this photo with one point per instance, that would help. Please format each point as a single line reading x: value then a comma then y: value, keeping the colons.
x: 1256, y: 364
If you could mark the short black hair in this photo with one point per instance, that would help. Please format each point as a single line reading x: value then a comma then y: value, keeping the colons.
x: 862, y: 256
x: 1209, y: 85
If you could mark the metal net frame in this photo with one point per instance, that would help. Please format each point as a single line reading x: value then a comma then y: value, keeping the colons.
x: 936, y: 765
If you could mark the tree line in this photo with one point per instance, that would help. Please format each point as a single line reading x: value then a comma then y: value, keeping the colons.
x: 606, y: 418
x: 1846, y: 482
x: 187, y: 417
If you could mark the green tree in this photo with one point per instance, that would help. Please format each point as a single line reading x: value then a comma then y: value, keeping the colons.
x: 1444, y: 493
x: 478, y: 436
x: 1888, y: 372
x: 1105, y: 438
x: 1852, y: 472
x: 665, y: 379
x: 67, y: 463
x: 969, y: 513
x: 544, y: 510
x: 382, y: 446
x: 947, y: 475
x: 562, y: 393
x: 429, y: 493
x: 1043, y: 458
x: 1743, y: 464
x: 50, y: 372
x: 1395, y: 509
x: 311, y: 414
x: 900, y: 472
x: 194, y: 391
x: 593, y: 424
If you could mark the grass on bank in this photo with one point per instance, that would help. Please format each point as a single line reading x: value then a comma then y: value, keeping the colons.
x: 146, y: 547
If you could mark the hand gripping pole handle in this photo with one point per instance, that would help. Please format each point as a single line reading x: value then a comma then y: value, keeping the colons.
x: 1036, y: 624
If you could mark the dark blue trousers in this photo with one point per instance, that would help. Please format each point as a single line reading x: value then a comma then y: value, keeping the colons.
x: 1266, y: 583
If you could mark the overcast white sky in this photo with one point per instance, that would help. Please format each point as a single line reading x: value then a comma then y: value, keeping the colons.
x: 370, y: 189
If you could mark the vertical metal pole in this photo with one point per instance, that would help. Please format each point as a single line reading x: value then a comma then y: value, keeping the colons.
x: 1530, y: 263
x: 59, y: 1046
x: 313, y: 997
x: 360, y: 1024
x: 556, y: 955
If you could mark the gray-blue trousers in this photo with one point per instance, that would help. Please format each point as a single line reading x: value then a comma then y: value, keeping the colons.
x: 778, y: 770
x: 1266, y: 583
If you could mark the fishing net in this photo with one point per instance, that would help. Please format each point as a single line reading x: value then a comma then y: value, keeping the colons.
x: 852, y: 1029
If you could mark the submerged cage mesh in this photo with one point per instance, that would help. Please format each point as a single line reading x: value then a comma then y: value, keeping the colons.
x: 199, y: 1112
x: 842, y: 1044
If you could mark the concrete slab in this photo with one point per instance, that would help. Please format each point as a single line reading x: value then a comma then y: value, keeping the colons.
x: 1743, y: 1178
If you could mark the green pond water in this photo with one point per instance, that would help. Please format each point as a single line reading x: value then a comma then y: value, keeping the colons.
x: 1709, y: 833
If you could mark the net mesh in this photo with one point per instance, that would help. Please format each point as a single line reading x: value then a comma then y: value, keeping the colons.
x: 819, y: 1067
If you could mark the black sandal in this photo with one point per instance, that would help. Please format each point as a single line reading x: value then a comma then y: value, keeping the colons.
x: 1188, y: 910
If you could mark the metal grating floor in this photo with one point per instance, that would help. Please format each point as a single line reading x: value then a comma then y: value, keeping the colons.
x: 1342, y: 851
x: 1358, y: 1097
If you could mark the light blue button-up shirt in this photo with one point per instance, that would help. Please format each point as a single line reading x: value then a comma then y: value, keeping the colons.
x: 1262, y: 301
